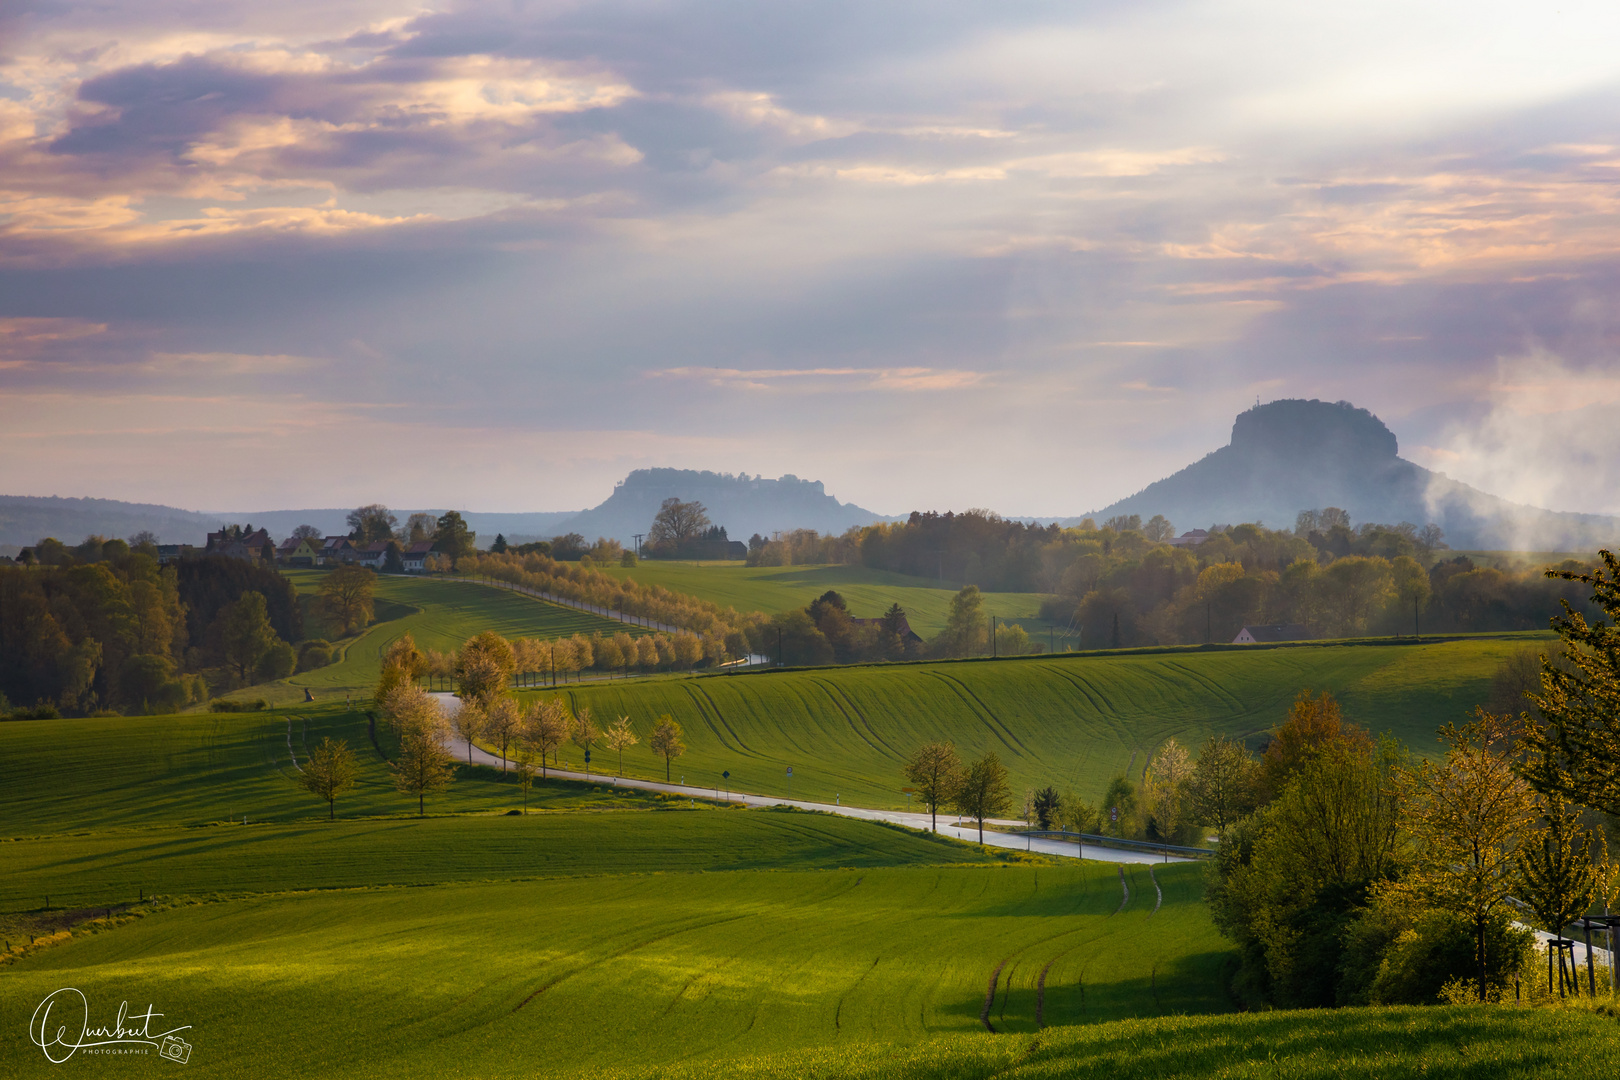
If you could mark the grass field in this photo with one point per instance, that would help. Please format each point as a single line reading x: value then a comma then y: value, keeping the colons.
x: 867, y: 592
x: 573, y: 975
x: 1065, y: 720
x: 438, y: 615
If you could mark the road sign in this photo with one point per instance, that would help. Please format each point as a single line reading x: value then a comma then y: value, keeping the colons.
x: 908, y: 790
x: 1113, y: 814
x: 790, y: 770
x: 587, y: 757
x: 726, y: 775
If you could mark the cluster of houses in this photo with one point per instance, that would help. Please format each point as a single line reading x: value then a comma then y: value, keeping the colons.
x: 255, y: 544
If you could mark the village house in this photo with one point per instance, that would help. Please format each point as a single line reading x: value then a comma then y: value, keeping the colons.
x: 336, y: 550
x: 1267, y: 635
x: 297, y: 551
x: 238, y: 543
x: 415, y: 556
x: 1189, y: 539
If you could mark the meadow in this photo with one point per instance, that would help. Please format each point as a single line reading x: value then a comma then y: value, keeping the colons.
x: 570, y: 976
x: 868, y: 592
x: 1069, y: 720
x: 438, y: 615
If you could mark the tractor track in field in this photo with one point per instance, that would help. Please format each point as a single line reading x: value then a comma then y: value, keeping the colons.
x: 720, y: 716
x: 695, y: 924
x: 848, y: 719
x: 717, y: 722
x: 978, y: 714
x: 990, y: 998
x: 988, y: 711
x: 1214, y: 687
x: 1160, y: 899
x: 1126, y: 886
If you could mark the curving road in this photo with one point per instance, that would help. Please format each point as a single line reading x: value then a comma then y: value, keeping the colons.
x: 899, y: 817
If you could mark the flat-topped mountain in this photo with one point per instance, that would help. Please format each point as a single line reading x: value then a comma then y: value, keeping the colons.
x: 743, y: 504
x: 1293, y: 455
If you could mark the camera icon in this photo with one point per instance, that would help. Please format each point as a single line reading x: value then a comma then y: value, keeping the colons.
x: 175, y: 1049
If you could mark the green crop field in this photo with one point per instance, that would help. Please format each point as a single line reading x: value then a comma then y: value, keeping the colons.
x: 867, y: 592
x: 438, y: 615
x: 568, y: 976
x: 1065, y: 720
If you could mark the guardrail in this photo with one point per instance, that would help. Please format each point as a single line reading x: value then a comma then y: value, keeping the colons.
x: 1116, y: 841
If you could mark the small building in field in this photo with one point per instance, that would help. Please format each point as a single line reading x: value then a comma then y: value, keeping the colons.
x: 1267, y: 635
x: 1189, y: 539
x: 908, y: 636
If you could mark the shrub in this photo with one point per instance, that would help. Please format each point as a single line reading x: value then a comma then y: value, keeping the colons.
x: 278, y: 662
x: 41, y: 711
x: 223, y: 705
x: 1438, y: 949
x: 316, y: 653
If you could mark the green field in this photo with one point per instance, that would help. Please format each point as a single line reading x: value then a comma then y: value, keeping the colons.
x: 1065, y: 720
x: 439, y: 615
x: 867, y: 592
x: 565, y: 977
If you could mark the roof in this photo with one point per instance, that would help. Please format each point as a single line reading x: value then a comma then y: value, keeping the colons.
x: 420, y: 547
x: 1273, y: 632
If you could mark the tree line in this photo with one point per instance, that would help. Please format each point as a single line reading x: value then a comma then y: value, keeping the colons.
x: 1349, y: 873
x: 527, y: 737
x: 1124, y: 584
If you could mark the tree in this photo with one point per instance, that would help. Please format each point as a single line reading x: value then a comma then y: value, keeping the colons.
x: 502, y: 723
x: 966, y: 630
x: 585, y: 733
x: 452, y: 537
x: 1048, y: 806
x: 1558, y: 870
x: 424, y: 765
x: 1119, y: 806
x: 1313, y: 724
x: 247, y: 634
x: 1165, y: 788
x: 369, y: 524
x: 1467, y: 818
x: 666, y: 741
x: 620, y: 738
x: 983, y: 791
x: 1223, y: 784
x: 525, y: 770
x: 1158, y: 529
x: 1412, y: 586
x: 277, y: 662
x: 934, y: 769
x: 418, y: 527
x: 546, y: 728
x: 393, y: 561
x: 306, y: 532
x: 467, y: 721
x: 499, y: 546
x: 677, y: 522
x: 1576, y: 746
x: 329, y: 772
x: 484, y: 666
x: 346, y: 596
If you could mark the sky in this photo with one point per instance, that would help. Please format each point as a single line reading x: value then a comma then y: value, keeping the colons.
x: 1026, y: 256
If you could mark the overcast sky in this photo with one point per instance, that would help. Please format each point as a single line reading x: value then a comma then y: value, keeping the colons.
x: 1022, y: 255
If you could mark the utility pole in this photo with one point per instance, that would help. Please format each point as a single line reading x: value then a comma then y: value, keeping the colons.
x: 780, y: 661
x: 992, y: 637
x: 638, y: 537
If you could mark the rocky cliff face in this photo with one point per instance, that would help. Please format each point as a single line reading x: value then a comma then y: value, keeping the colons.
x: 1293, y: 455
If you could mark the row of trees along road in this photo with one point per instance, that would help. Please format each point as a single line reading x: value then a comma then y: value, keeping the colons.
x: 527, y: 738
x: 1364, y: 877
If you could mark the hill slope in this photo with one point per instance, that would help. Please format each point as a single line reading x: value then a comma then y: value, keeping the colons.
x: 742, y: 504
x: 1288, y: 456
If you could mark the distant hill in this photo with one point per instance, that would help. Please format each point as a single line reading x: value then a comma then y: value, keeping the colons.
x: 1293, y: 455
x: 26, y: 519
x: 744, y: 505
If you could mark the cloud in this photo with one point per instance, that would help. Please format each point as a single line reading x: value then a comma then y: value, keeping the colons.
x: 827, y: 379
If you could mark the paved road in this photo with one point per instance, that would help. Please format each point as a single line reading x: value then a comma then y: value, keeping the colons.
x: 947, y: 825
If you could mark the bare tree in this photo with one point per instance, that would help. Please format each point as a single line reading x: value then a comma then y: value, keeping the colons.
x: 306, y: 532
x: 546, y: 728
x: 467, y: 721
x: 424, y: 765
x: 368, y: 524
x: 502, y: 724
